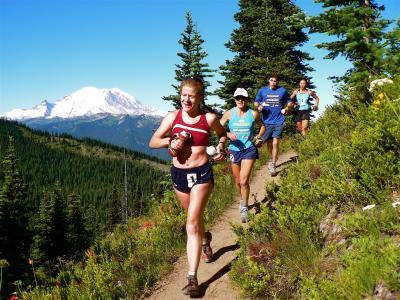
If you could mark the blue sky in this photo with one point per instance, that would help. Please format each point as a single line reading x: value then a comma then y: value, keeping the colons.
x: 51, y: 48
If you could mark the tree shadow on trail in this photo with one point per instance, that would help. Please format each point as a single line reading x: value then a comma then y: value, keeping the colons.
x: 293, y: 159
x: 223, y: 250
x: 221, y: 272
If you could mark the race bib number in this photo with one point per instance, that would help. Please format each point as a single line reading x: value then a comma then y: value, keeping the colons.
x: 191, y: 179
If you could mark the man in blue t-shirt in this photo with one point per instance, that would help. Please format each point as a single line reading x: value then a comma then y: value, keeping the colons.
x: 271, y: 101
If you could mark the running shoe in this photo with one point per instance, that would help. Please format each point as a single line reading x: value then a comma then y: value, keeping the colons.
x: 244, y: 214
x: 206, y: 248
x: 241, y: 205
x: 272, y: 168
x: 270, y: 165
x: 192, y: 288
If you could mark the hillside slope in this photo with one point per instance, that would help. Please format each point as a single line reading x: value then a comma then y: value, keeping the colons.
x: 333, y: 229
x: 86, y: 167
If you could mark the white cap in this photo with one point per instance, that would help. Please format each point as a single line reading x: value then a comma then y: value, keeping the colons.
x: 241, y: 92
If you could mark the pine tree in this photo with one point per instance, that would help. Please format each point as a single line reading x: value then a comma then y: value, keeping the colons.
x: 392, y: 51
x: 42, y: 247
x: 14, y: 235
x: 115, y: 209
x: 50, y: 240
x: 359, y: 29
x: 192, y: 60
x: 76, y: 234
x: 266, y: 42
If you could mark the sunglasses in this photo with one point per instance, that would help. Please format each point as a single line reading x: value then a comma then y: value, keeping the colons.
x: 240, y: 98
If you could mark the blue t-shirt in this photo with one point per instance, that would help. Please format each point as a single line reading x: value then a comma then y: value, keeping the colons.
x: 243, y: 127
x: 273, y: 102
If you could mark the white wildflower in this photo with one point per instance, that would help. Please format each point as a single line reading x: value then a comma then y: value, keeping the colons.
x: 379, y: 82
x: 368, y: 207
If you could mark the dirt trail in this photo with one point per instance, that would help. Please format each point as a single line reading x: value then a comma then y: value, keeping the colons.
x: 213, y: 277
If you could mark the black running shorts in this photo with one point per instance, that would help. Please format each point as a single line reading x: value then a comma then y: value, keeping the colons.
x: 302, y: 115
x: 184, y: 179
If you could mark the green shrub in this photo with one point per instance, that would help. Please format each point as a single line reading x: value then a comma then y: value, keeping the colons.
x: 351, y: 158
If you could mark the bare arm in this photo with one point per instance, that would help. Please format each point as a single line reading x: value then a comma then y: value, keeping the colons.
x: 224, y: 120
x: 316, y: 98
x: 258, y: 120
x: 215, y: 125
x: 293, y: 95
x: 159, y: 139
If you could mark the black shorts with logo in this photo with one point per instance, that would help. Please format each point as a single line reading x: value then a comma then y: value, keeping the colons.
x: 184, y: 179
x: 302, y: 115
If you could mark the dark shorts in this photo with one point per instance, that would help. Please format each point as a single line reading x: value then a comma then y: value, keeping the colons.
x: 272, y: 131
x: 237, y: 156
x: 184, y: 179
x: 302, y: 115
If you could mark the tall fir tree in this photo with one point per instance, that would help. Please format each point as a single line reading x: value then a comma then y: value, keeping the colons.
x: 359, y: 30
x: 267, y: 41
x: 392, y: 51
x: 115, y: 207
x: 50, y: 239
x: 76, y: 234
x: 14, y: 234
x: 192, y: 60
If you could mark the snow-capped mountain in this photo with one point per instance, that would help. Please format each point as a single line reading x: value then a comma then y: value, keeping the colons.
x: 88, y: 101
x: 42, y: 110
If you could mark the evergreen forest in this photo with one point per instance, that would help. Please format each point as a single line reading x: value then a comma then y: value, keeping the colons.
x: 59, y: 195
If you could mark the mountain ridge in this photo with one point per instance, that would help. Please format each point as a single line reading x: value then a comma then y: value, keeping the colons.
x: 87, y: 101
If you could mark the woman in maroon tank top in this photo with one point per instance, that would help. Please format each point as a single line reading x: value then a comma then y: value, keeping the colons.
x: 189, y: 129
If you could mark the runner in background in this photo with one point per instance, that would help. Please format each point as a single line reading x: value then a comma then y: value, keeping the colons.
x: 303, y: 99
x: 185, y: 132
x: 242, y: 147
x: 273, y: 101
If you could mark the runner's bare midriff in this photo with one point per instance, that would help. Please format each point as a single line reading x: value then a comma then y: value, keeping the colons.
x: 191, y: 157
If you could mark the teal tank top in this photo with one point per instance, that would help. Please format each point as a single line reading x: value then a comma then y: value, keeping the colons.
x: 303, y: 99
x: 243, y: 127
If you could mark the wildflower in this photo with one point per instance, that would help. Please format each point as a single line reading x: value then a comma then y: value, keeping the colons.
x: 58, y: 284
x: 376, y: 103
x: 396, y: 203
x: 129, y: 230
x: 4, y: 263
x: 89, y: 252
x: 368, y: 207
x: 148, y: 224
x: 379, y: 82
x: 30, y: 261
x: 161, y: 206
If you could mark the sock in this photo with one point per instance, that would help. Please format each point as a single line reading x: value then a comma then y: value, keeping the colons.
x: 193, y: 274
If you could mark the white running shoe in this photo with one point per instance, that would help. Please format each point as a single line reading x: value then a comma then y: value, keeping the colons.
x: 244, y: 214
x: 272, y: 168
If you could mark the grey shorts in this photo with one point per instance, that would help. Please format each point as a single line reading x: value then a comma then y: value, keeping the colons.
x: 272, y: 131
